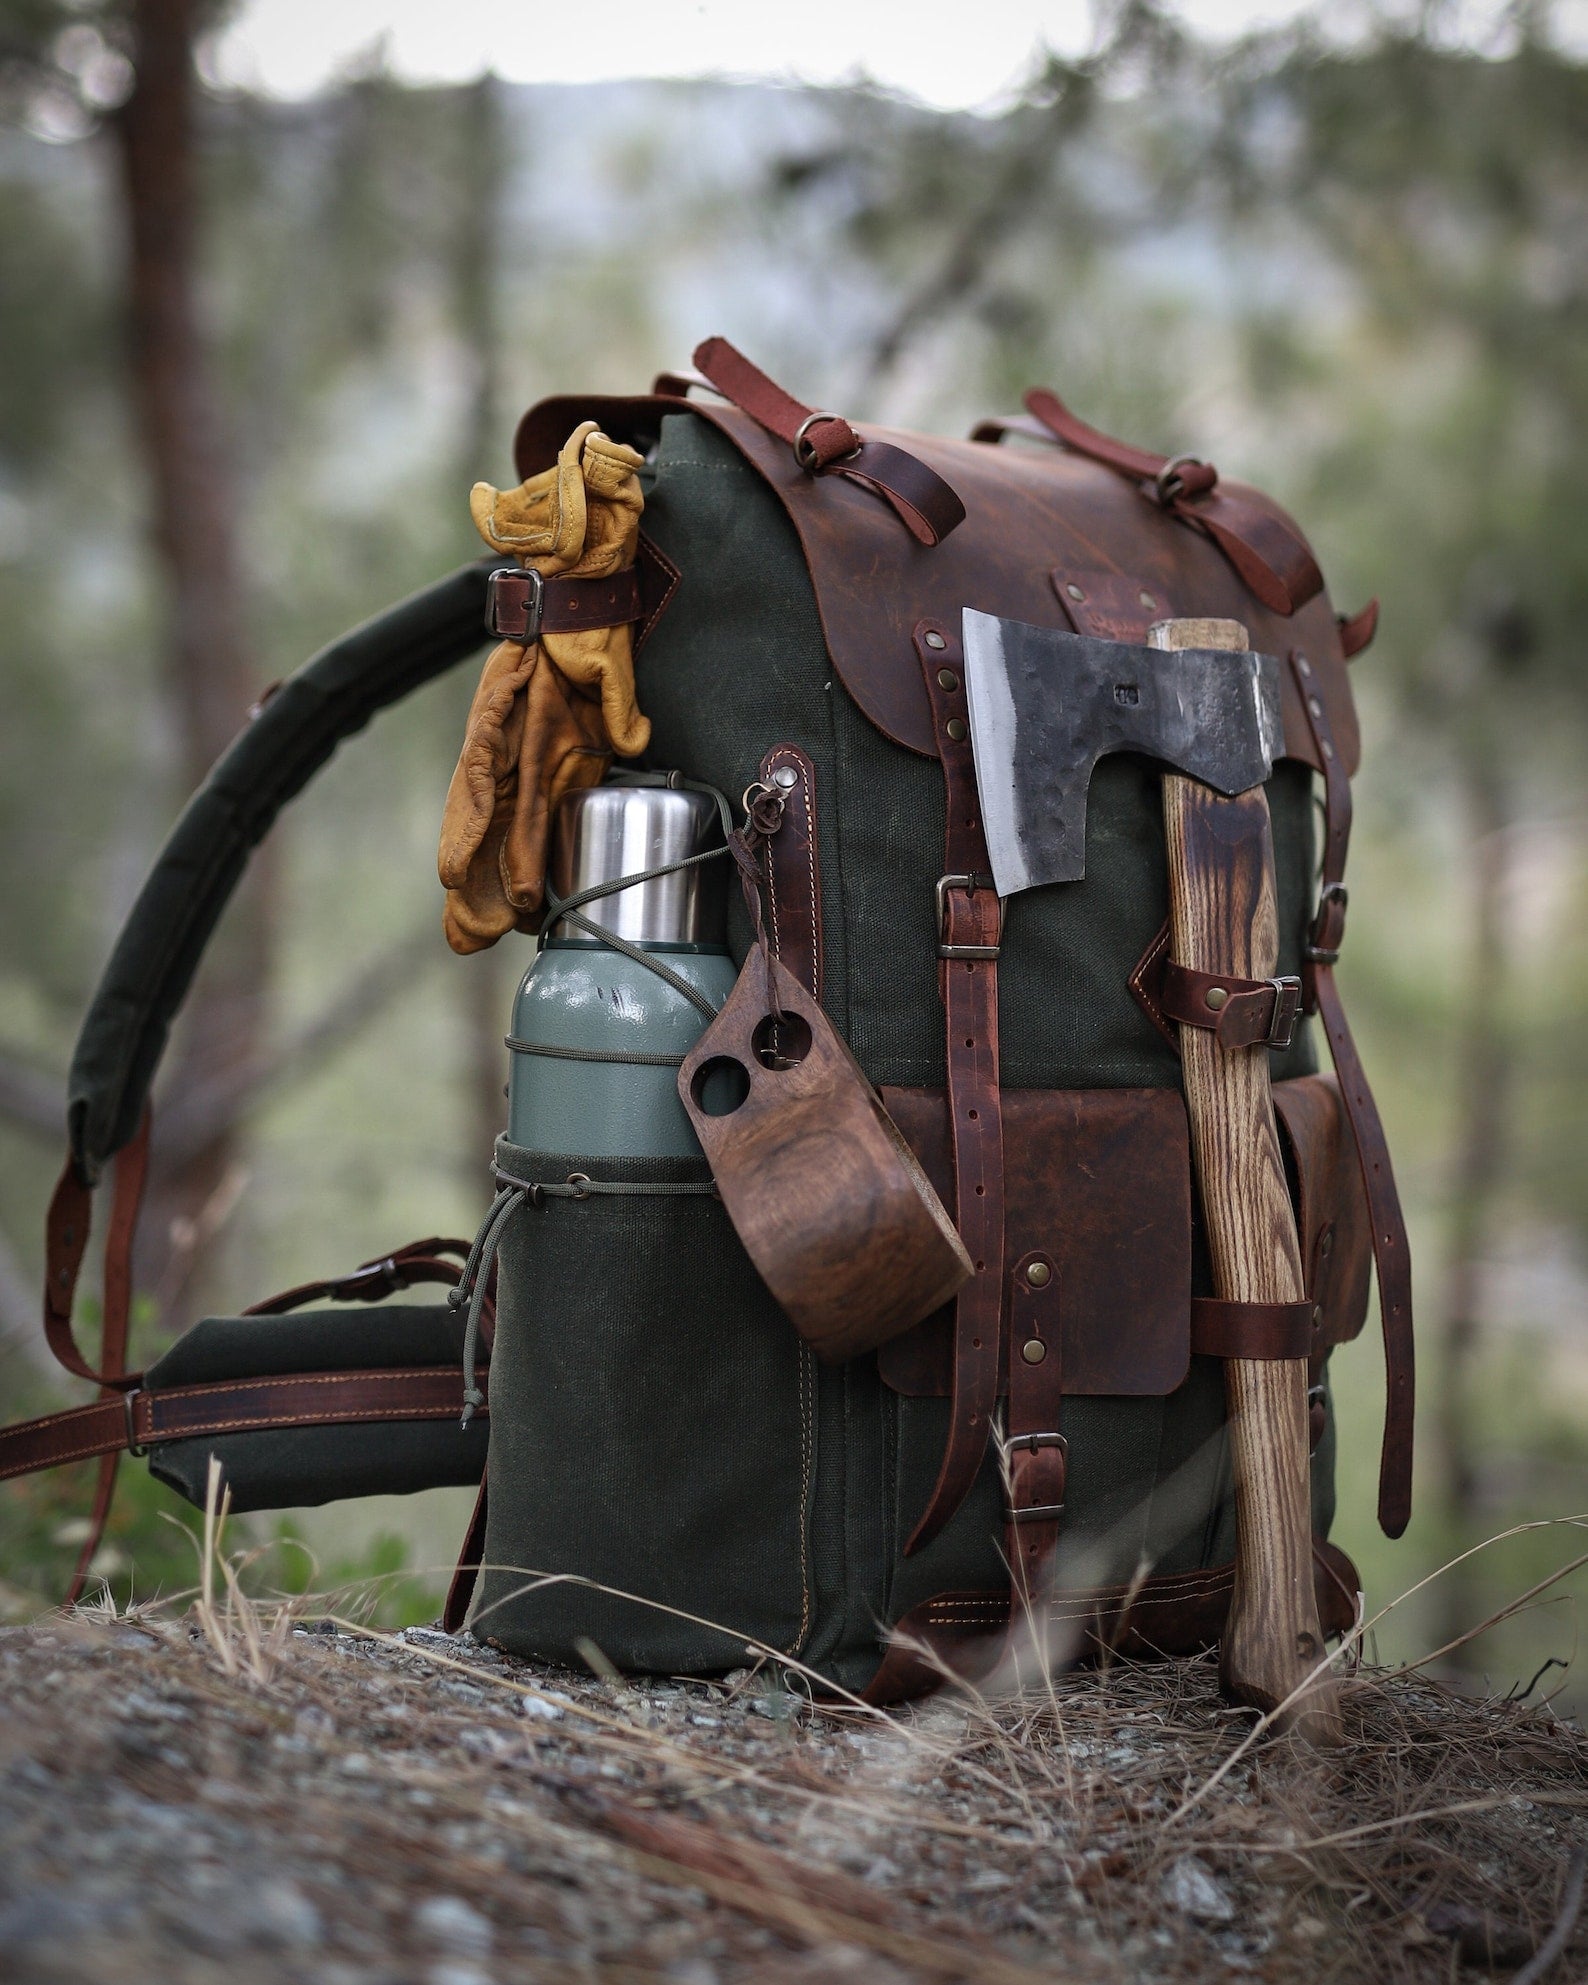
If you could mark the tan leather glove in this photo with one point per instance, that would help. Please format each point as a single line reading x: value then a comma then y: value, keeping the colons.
x: 545, y: 718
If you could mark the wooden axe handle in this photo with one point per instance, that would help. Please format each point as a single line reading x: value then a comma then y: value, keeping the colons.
x: 1223, y: 918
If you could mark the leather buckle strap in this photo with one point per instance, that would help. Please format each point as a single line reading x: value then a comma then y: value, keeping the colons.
x: 968, y: 983
x: 947, y: 947
x: 1391, y: 1252
x: 1272, y: 558
x: 1239, y: 1013
x: 1328, y: 926
x: 1270, y: 1331
x: 522, y: 604
x: 826, y: 444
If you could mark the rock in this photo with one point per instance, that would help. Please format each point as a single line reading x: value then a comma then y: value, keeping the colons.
x: 449, y: 1920
x: 1190, y: 1888
x: 281, y: 1917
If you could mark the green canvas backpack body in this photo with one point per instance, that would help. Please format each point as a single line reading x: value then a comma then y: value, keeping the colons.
x: 671, y: 1474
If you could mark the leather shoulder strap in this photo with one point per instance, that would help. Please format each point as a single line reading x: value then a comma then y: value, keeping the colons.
x: 292, y: 732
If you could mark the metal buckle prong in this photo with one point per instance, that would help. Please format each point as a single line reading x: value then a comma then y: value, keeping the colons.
x: 971, y: 883
x: 1031, y: 1443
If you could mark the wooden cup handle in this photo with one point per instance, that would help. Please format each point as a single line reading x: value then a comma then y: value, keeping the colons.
x: 1223, y: 917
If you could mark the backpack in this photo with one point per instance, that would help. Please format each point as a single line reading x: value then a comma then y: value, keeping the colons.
x: 671, y: 1475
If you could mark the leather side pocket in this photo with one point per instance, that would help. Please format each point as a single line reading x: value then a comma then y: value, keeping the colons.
x: 1100, y: 1179
x: 1331, y: 1205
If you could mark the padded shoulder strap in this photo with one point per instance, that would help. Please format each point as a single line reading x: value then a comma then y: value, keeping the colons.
x: 293, y: 731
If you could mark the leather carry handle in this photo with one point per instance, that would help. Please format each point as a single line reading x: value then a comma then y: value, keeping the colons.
x: 1223, y: 913
x: 1273, y: 559
x: 826, y: 444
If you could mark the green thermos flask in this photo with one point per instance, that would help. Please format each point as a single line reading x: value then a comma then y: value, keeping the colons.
x: 598, y: 1035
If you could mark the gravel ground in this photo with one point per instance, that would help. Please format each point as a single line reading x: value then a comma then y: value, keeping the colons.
x: 197, y: 1800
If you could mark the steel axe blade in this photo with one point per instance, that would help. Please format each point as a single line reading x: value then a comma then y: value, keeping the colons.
x: 1045, y: 706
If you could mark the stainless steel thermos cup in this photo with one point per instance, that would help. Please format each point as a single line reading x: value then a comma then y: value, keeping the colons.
x: 597, y: 1036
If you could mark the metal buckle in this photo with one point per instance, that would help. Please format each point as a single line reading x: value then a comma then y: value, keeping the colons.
x: 1169, y: 483
x: 805, y: 449
x: 1033, y: 1444
x: 365, y: 1284
x: 1336, y: 895
x: 1287, y: 1005
x: 971, y: 883
x: 515, y: 604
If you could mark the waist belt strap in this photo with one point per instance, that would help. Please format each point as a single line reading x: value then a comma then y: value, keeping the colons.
x: 969, y: 928
x: 137, y: 1420
x: 1391, y: 1255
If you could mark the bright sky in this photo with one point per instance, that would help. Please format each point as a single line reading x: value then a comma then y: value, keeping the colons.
x: 946, y: 52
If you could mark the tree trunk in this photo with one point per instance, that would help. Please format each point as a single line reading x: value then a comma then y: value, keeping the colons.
x: 208, y: 670
x: 1484, y: 1080
x: 482, y: 989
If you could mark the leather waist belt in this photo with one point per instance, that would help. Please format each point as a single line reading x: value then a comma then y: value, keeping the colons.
x: 141, y: 1419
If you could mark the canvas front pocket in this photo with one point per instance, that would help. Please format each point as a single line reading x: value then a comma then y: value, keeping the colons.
x: 652, y: 1442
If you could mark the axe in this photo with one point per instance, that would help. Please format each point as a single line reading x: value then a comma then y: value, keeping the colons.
x: 1045, y: 706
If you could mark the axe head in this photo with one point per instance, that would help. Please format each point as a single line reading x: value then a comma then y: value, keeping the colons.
x: 1045, y: 706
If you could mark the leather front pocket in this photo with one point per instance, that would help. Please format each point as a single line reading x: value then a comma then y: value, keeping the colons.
x: 1332, y: 1215
x: 1101, y: 1180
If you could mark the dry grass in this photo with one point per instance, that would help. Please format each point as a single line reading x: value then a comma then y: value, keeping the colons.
x: 236, y: 1789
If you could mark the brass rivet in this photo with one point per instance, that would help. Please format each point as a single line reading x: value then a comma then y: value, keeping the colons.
x: 1147, y: 600
x: 785, y: 776
x: 1073, y: 590
x: 1304, y: 665
x: 935, y: 640
x: 1039, y: 1274
x: 1315, y: 706
x: 946, y: 679
x: 1317, y: 1316
x: 1215, y: 997
x: 1328, y: 749
x: 1326, y: 1240
x: 956, y: 729
x: 1033, y: 1350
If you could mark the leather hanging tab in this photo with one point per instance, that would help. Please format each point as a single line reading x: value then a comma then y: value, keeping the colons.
x: 826, y: 444
x: 1274, y: 561
x: 970, y: 927
x: 793, y: 875
x: 1391, y: 1253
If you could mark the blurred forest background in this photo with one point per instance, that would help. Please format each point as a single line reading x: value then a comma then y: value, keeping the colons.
x: 253, y: 353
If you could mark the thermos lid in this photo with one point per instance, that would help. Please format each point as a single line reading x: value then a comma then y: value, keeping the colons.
x: 618, y: 829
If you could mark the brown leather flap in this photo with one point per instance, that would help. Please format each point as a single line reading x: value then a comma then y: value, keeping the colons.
x: 1100, y: 1179
x: 1049, y: 538
x: 1332, y: 1213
